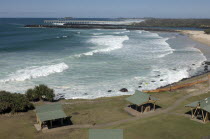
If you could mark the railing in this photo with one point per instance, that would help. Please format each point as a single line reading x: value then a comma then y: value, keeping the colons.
x: 82, y: 22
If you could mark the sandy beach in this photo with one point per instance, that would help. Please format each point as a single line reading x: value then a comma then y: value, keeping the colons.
x: 199, y: 36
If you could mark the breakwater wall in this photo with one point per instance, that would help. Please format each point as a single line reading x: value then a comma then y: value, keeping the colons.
x: 100, y: 26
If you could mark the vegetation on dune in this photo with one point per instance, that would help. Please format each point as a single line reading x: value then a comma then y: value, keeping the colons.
x: 41, y: 92
x: 207, y: 31
x: 153, y: 22
x: 13, y: 102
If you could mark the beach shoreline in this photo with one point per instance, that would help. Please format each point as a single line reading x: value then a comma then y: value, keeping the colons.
x: 199, y: 36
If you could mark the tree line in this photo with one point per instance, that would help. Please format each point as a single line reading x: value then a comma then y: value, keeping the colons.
x: 155, y: 22
x: 16, y: 102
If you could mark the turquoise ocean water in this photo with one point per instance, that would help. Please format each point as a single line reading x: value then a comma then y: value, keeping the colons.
x: 82, y: 63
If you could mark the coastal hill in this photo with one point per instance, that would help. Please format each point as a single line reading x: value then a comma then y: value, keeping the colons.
x: 156, y: 22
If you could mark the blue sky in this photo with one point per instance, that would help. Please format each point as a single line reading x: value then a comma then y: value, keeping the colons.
x: 106, y: 8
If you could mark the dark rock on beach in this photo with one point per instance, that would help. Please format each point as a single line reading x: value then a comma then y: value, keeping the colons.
x: 124, y: 90
x: 207, y: 62
x: 109, y: 91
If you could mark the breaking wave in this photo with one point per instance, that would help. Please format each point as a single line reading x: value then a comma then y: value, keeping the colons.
x: 158, y: 45
x: 109, y: 42
x: 35, y: 72
x: 97, y: 34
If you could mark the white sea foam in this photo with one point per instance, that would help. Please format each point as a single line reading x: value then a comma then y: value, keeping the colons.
x: 109, y: 42
x: 97, y: 34
x: 159, y: 45
x: 121, y: 32
x: 61, y: 37
x: 35, y: 72
x: 117, y: 32
x: 167, y: 76
x: 139, y: 31
x: 155, y: 35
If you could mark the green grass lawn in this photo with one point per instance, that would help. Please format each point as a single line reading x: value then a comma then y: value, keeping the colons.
x: 99, y: 112
x: 17, y: 126
x: 105, y: 110
x: 164, y: 127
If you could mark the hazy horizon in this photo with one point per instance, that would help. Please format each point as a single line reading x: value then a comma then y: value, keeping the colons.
x: 105, y: 9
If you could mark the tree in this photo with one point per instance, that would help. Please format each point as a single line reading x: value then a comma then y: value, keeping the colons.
x: 32, y: 95
x: 40, y: 92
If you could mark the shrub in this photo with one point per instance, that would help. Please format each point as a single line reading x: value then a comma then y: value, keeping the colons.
x: 14, y: 102
x: 5, y: 101
x: 41, y: 92
x: 31, y: 95
x: 207, y: 31
x: 20, y: 103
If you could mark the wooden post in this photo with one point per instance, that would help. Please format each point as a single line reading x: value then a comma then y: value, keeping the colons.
x: 194, y: 113
x: 203, y: 116
x: 206, y: 116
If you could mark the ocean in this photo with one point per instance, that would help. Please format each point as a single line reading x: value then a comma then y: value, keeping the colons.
x: 86, y: 63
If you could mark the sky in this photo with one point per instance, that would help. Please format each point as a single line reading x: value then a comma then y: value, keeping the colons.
x: 105, y: 8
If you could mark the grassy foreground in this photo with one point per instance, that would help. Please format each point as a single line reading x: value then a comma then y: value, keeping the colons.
x: 105, y: 110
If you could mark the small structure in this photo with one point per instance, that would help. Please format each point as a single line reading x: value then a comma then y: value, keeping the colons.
x: 105, y: 134
x: 200, y: 109
x: 141, y: 102
x: 51, y: 115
